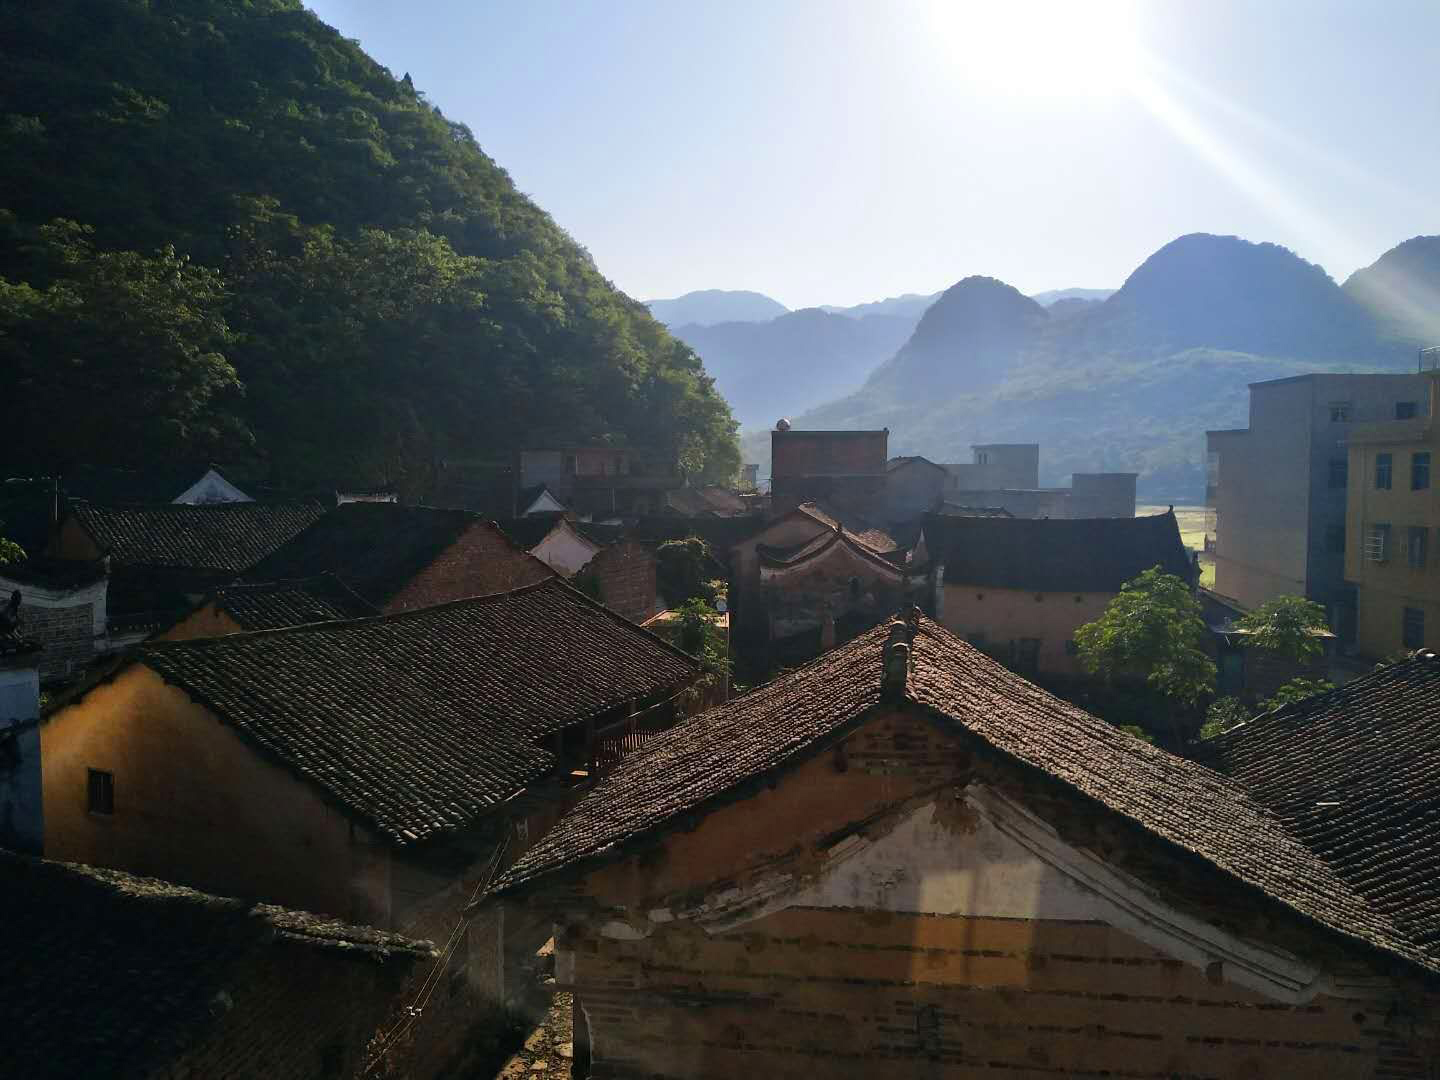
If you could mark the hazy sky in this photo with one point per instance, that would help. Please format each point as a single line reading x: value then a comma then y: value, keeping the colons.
x: 836, y: 152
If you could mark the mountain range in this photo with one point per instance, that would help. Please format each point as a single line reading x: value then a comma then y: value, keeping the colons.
x: 1130, y: 382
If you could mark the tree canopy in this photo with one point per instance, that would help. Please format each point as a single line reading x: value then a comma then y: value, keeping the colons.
x: 1291, y: 626
x: 275, y: 248
x: 1153, y: 630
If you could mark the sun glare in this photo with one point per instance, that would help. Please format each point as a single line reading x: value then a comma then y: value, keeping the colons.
x: 1040, y: 48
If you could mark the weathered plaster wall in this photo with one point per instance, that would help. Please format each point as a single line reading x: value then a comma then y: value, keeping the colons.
x: 564, y: 550
x: 883, y: 910
x: 194, y: 804
x: 797, y: 598
x: 21, y: 801
x: 997, y: 617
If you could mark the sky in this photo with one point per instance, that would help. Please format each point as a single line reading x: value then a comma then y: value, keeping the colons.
x: 836, y: 152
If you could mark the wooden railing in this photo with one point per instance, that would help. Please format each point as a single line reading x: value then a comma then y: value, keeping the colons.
x: 617, y: 741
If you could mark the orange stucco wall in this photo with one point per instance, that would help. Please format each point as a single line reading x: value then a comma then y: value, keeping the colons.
x: 194, y: 804
x: 206, y: 621
x: 861, y: 990
x: 1006, y: 615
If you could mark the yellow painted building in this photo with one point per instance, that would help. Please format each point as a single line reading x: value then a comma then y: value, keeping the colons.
x: 1391, y: 523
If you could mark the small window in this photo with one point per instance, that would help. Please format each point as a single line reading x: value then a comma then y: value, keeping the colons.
x: 1335, y: 539
x: 1340, y: 412
x: 1079, y: 599
x: 100, y: 792
x: 1383, y: 467
x: 1412, y: 628
x: 1339, y: 472
x: 1377, y: 543
x: 1039, y: 597
x: 1416, y: 541
x: 1405, y: 410
x: 1420, y: 471
x: 981, y: 458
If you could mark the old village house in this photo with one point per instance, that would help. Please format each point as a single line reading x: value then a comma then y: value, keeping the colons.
x: 904, y: 860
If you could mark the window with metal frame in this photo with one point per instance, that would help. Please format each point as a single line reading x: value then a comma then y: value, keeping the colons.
x: 1384, y: 466
x: 99, y: 791
x: 1339, y: 412
x: 1377, y: 543
x: 1416, y: 541
x: 1420, y: 470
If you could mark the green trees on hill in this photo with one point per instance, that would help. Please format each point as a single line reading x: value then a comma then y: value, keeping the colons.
x: 365, y: 291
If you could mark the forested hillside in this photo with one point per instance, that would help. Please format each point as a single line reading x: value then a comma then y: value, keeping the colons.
x: 1133, y: 383
x: 229, y: 233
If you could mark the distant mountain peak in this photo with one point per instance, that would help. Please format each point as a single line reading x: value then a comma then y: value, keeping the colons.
x: 708, y: 307
x: 1401, y: 289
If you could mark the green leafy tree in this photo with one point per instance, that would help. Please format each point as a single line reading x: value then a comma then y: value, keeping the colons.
x: 1290, y: 626
x: 702, y: 637
x: 1222, y: 715
x: 683, y: 571
x: 116, y: 356
x: 1296, y: 690
x: 1152, y: 630
x: 10, y: 551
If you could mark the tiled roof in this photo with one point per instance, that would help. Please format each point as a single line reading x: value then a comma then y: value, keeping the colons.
x: 818, y: 546
x: 112, y: 975
x: 378, y: 548
x: 1355, y: 774
x: 703, y: 760
x: 876, y: 539
x: 1056, y: 554
x: 417, y: 723
x: 222, y: 538
x: 323, y: 598
x: 528, y: 531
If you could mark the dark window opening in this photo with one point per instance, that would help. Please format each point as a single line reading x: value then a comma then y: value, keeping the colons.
x: 100, y: 792
x: 1335, y: 539
x: 1383, y: 471
x: 1412, y: 628
x: 1339, y: 473
x: 1416, y: 543
x: 1405, y: 410
x: 1420, y: 471
x: 1339, y: 412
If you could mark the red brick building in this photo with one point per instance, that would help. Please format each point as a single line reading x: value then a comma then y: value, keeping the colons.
x: 846, y: 468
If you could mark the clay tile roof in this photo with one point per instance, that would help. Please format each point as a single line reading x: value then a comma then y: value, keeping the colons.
x: 709, y: 758
x: 107, y: 974
x: 1056, y: 554
x: 220, y: 538
x: 378, y: 548
x: 419, y: 722
x: 876, y: 539
x: 818, y: 546
x: 1355, y: 774
x: 323, y: 598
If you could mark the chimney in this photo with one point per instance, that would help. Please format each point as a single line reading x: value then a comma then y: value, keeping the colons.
x: 21, y: 826
x: 896, y: 664
x: 827, y: 631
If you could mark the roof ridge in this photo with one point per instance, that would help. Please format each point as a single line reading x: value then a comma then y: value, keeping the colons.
x: 391, y: 616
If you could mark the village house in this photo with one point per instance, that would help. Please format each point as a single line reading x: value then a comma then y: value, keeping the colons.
x: 375, y: 769
x: 191, y: 485
x: 845, y: 469
x: 118, y: 976
x: 1020, y: 587
x: 904, y: 860
x: 601, y: 481
x: 113, y: 575
x: 1391, y: 518
x: 403, y: 557
x: 604, y: 560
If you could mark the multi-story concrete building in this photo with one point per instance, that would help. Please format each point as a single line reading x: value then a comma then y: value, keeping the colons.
x: 1390, y: 525
x: 1278, y: 487
x: 842, y: 468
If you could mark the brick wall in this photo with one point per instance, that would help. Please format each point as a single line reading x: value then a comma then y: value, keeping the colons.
x: 66, y: 634
x: 625, y: 573
x: 293, y: 1011
x: 827, y: 453
x: 480, y: 562
x: 859, y: 989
